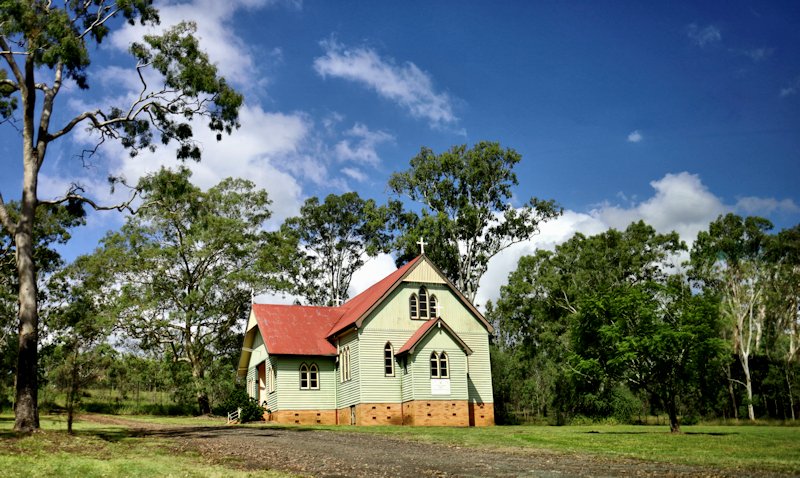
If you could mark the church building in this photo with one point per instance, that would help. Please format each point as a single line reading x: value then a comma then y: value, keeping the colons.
x: 409, y: 350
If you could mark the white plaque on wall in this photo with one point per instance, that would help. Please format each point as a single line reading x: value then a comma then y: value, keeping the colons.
x: 440, y: 386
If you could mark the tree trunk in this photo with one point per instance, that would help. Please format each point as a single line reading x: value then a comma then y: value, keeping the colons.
x: 732, y: 394
x: 748, y: 385
x: 672, y: 410
x: 27, y: 406
x: 73, y: 393
x: 789, y: 387
x: 203, y: 403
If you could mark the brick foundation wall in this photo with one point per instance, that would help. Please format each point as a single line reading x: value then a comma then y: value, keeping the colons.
x: 481, y: 414
x: 448, y: 413
x: 378, y: 414
x: 303, y: 417
x: 344, y: 415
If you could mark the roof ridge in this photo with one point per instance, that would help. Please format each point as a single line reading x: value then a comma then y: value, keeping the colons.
x: 354, y: 308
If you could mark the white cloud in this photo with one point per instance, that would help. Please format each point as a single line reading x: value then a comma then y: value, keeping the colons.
x: 754, y: 205
x: 703, y: 36
x: 757, y: 54
x: 216, y: 30
x: 681, y: 203
x: 364, y: 151
x: 375, y: 268
x: 791, y: 89
x: 256, y: 152
x: 405, y: 84
x: 354, y: 173
x: 635, y: 136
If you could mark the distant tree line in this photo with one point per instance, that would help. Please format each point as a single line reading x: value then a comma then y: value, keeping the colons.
x: 629, y: 323
x: 175, y: 282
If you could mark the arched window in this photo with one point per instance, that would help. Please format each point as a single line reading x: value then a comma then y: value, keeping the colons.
x: 313, y: 377
x: 344, y: 364
x: 433, y: 307
x: 347, y: 363
x: 309, y: 377
x: 388, y: 360
x: 412, y: 306
x: 423, y: 302
x: 304, y: 376
x: 434, y: 365
x: 341, y: 365
x: 443, y: 365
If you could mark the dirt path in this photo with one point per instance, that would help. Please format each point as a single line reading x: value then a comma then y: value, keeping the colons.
x: 346, y: 454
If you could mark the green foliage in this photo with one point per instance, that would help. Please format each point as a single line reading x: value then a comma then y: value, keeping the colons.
x: 52, y: 226
x: 251, y: 411
x: 181, y: 272
x: 606, y: 315
x: 332, y: 240
x: 466, y: 194
x: 40, y: 38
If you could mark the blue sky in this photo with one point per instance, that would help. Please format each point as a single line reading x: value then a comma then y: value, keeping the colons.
x: 671, y: 113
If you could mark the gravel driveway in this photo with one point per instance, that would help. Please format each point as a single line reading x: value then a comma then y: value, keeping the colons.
x: 330, y: 454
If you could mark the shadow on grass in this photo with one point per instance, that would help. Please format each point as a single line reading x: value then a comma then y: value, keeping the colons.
x: 713, y: 434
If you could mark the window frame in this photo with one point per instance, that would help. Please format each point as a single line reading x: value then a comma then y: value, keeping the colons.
x: 413, y: 306
x: 433, y: 306
x: 344, y: 364
x: 388, y: 360
x: 273, y: 377
x: 422, y: 308
x: 303, y: 376
x: 434, y: 365
x: 444, y: 365
x: 311, y: 376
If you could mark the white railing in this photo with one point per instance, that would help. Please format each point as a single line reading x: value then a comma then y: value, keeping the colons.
x: 233, y: 417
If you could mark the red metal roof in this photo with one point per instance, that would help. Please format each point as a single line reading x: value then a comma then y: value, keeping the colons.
x: 356, y: 307
x: 423, y: 331
x: 417, y: 336
x: 296, y: 329
x: 304, y: 330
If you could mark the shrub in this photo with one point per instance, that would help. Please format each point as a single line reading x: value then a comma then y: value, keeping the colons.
x: 251, y: 410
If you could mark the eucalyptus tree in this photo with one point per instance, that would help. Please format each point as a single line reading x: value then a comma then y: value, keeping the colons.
x: 783, y: 304
x: 45, y: 45
x: 182, y: 270
x: 52, y: 226
x: 333, y: 240
x: 78, y: 321
x: 730, y: 258
x: 467, y: 215
x: 606, y: 310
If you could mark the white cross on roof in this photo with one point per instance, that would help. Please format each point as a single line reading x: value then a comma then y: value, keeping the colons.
x: 422, y: 245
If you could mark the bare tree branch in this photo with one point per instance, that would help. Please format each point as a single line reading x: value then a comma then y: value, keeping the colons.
x: 100, y: 18
x: 5, y: 219
x: 73, y: 195
x: 10, y: 83
x: 12, y: 63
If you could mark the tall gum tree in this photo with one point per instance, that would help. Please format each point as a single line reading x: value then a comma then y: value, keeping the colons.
x: 182, y: 270
x: 42, y: 45
x: 467, y: 214
x: 333, y: 239
x: 730, y: 258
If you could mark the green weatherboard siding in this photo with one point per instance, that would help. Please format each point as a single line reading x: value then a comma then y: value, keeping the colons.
x: 291, y: 397
x: 390, y: 321
x: 349, y: 391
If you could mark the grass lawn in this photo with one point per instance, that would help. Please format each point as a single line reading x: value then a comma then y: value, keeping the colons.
x: 768, y: 448
x: 100, y: 450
